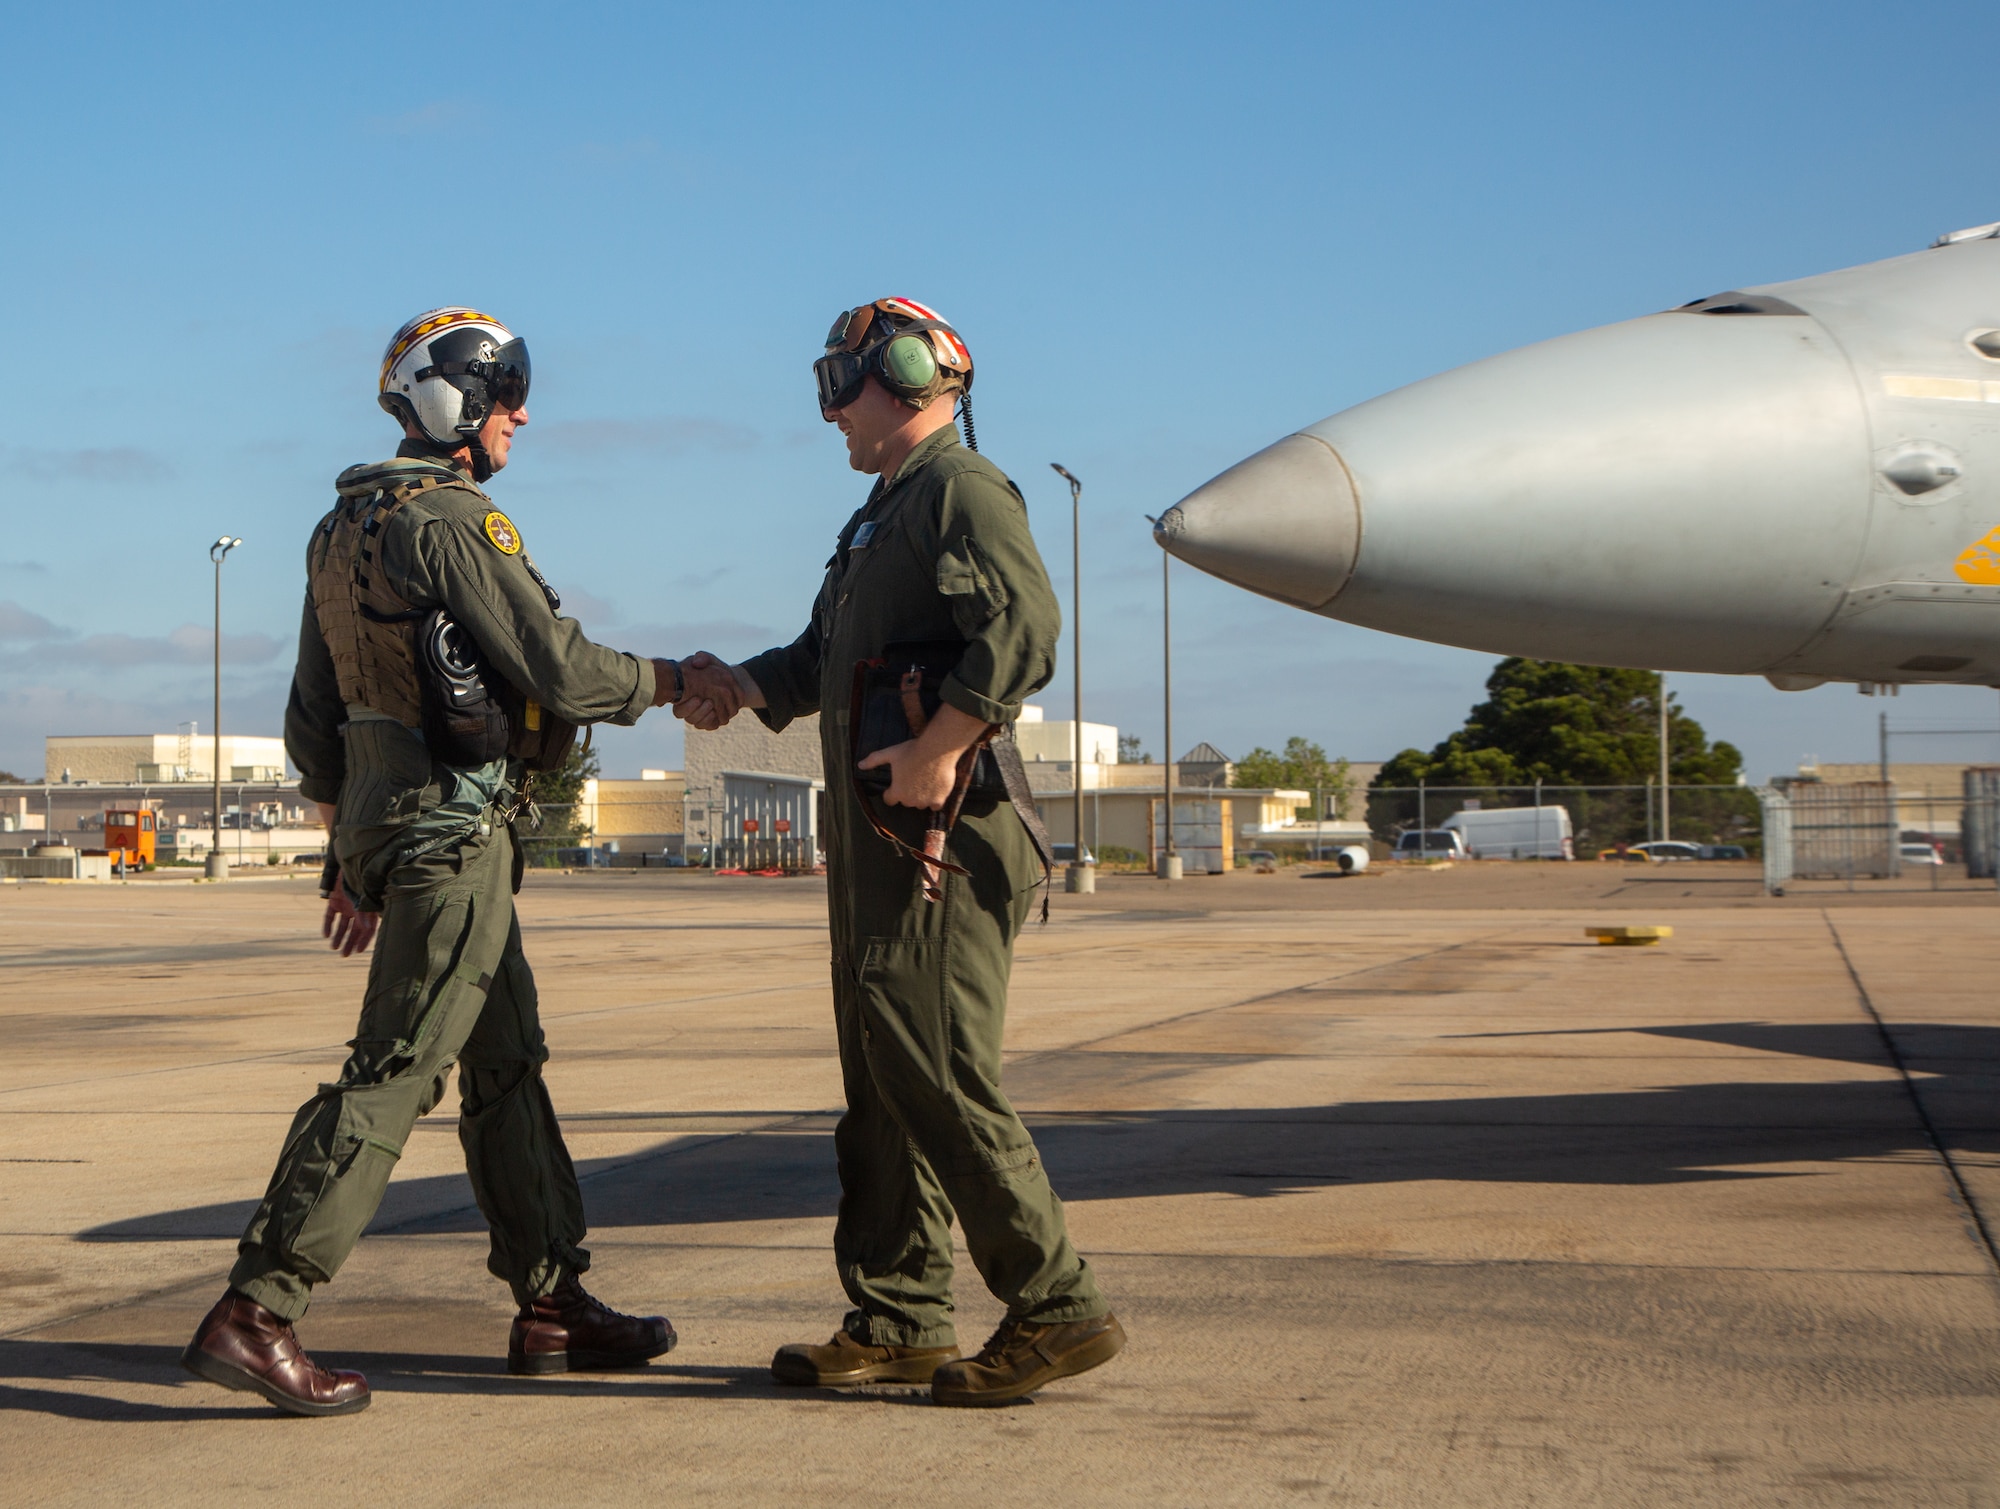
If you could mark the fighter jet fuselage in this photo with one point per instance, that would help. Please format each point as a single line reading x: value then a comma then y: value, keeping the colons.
x: 1800, y: 480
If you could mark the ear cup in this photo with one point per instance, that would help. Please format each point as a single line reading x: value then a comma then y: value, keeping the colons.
x: 909, y: 362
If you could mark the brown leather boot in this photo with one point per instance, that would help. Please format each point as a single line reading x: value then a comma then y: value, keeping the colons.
x: 845, y: 1361
x: 1022, y: 1356
x: 241, y: 1345
x: 567, y: 1331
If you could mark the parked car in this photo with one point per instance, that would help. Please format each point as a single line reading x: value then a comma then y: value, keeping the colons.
x: 1920, y: 854
x: 1431, y: 843
x: 1724, y: 851
x: 1066, y: 854
x: 1664, y: 849
x: 1262, y: 861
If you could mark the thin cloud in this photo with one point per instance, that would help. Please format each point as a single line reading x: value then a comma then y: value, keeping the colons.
x: 26, y: 568
x: 729, y: 637
x: 697, y: 580
x: 120, y: 463
x: 190, y: 644
x: 588, y: 607
x: 19, y: 626
x: 665, y: 436
x: 426, y: 119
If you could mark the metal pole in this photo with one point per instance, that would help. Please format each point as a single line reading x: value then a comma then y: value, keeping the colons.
x: 218, y: 862
x: 1170, y: 859
x: 1883, y: 736
x: 1666, y: 826
x: 1080, y: 876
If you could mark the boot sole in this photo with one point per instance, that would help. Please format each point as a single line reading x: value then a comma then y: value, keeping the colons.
x: 213, y: 1370
x: 535, y: 1364
x: 802, y: 1374
x: 1093, y: 1353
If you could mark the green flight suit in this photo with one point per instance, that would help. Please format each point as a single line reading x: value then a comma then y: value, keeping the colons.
x: 940, y: 552
x: 430, y: 846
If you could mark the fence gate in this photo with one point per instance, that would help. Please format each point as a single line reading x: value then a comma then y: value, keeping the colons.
x: 1979, y: 824
x: 1847, y: 831
x: 1777, y: 822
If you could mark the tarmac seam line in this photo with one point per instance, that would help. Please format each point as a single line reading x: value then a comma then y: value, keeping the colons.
x: 1961, y: 1193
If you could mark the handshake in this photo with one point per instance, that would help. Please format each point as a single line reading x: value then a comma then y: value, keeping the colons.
x: 712, y: 690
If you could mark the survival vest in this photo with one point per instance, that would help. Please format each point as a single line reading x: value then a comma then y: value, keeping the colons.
x: 379, y: 641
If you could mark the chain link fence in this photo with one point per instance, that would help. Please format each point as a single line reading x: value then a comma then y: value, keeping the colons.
x: 1601, y: 818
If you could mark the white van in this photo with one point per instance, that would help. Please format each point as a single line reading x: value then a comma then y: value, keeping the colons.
x: 1514, y: 832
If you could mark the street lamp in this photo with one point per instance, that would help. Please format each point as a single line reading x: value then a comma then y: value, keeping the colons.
x: 1169, y: 867
x: 1079, y: 877
x: 1666, y: 822
x: 218, y: 864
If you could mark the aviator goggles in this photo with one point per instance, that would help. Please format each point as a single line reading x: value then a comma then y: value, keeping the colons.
x: 859, y: 346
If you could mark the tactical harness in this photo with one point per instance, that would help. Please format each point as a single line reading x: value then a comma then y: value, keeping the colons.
x: 414, y: 664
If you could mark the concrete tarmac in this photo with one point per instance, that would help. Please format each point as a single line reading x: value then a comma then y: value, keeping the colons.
x: 1406, y: 1192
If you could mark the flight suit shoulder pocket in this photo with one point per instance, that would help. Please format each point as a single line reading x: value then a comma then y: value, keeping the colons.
x: 967, y: 576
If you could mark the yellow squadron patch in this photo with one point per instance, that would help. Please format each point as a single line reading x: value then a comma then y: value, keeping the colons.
x: 501, y: 531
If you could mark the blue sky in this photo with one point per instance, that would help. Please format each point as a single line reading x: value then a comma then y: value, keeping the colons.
x: 1170, y: 234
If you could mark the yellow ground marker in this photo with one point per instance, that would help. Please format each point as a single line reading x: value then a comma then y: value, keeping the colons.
x: 1629, y: 937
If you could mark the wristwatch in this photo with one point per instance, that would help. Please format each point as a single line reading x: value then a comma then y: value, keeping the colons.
x: 680, y: 683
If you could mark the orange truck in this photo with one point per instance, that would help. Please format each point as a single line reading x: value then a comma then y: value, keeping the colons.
x: 130, y: 837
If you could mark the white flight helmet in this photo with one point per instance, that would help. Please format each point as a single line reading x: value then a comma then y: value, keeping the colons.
x: 446, y: 370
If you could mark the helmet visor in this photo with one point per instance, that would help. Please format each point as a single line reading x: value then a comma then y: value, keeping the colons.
x: 839, y: 376
x: 507, y: 378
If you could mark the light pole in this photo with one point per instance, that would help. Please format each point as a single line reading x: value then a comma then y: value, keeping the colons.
x: 218, y: 863
x: 1169, y: 867
x: 1079, y: 877
x: 1666, y: 830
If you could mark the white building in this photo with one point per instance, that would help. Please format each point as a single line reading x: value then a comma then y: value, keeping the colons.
x: 125, y: 758
x: 1047, y: 740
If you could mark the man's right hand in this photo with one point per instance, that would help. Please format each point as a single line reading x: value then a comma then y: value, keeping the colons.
x: 716, y: 691
x: 349, y: 928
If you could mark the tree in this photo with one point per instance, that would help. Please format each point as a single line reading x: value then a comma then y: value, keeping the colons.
x: 1576, y: 725
x: 8, y: 778
x: 1129, y: 752
x: 557, y: 792
x: 1302, y: 767
x: 1568, y: 725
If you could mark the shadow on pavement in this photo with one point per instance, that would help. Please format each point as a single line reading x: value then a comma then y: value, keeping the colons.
x: 1679, y: 1134
x: 25, y: 1363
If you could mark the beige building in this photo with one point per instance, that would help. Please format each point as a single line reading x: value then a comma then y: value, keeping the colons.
x: 1929, y: 795
x: 1123, y: 805
x: 126, y: 758
x: 646, y: 816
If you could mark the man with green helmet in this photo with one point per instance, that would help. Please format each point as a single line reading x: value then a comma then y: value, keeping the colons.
x: 934, y: 622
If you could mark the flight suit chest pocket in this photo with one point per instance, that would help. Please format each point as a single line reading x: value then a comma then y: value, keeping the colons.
x: 967, y: 578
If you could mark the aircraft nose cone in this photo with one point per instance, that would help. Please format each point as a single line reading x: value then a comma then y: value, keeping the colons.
x: 1285, y: 523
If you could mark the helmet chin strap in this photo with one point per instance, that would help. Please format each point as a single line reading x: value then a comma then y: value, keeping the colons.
x: 482, y: 463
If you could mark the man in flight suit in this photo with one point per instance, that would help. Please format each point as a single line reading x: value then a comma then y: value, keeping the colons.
x: 432, y: 667
x: 940, y: 553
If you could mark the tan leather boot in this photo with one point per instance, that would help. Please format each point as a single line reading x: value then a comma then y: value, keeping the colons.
x: 844, y: 1361
x: 1022, y: 1356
